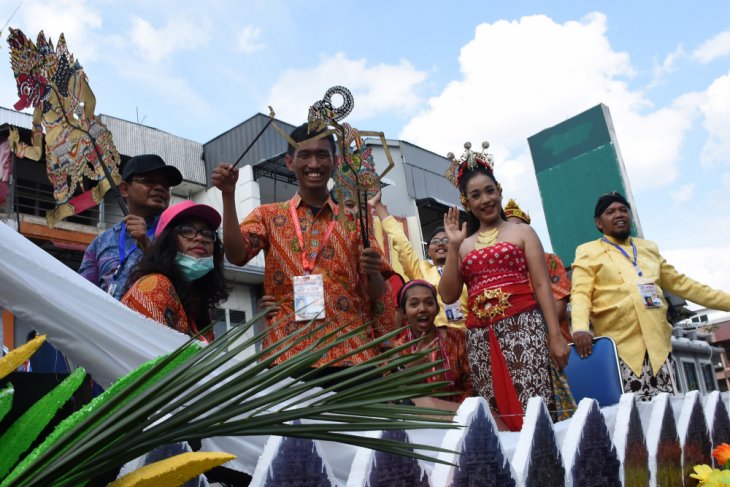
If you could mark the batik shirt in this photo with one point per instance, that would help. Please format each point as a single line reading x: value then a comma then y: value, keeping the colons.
x: 155, y: 297
x: 101, y: 259
x: 269, y: 228
x: 454, y: 356
x: 560, y: 287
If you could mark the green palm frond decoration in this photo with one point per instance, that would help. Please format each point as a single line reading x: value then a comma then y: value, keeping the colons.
x: 199, y: 392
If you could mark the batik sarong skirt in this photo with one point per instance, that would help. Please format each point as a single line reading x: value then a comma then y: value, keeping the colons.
x: 523, y: 340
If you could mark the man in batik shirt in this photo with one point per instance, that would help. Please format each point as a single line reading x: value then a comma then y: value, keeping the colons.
x: 310, y: 253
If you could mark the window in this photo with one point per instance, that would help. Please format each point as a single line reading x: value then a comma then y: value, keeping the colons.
x: 225, y: 318
x: 690, y: 374
x: 708, y: 375
x: 677, y: 378
x: 219, y: 318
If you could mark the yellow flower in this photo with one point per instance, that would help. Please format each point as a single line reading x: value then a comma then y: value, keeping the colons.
x: 722, y: 453
x: 717, y: 478
x: 702, y: 473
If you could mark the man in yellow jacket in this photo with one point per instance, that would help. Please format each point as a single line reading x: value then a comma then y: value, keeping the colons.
x: 453, y: 314
x: 618, y: 285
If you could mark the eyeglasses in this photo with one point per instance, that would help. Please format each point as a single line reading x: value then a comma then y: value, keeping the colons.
x: 150, y: 182
x: 188, y: 232
x: 437, y: 241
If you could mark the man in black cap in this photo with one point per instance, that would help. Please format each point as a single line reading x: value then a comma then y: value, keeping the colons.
x: 617, y: 286
x: 112, y: 255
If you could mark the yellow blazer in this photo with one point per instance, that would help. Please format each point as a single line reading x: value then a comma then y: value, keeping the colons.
x: 605, y: 292
x: 415, y: 268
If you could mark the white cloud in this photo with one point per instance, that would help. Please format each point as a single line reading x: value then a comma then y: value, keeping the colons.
x: 717, y: 198
x: 714, y: 48
x: 170, y: 89
x: 248, y: 38
x: 179, y: 33
x: 378, y: 89
x: 683, y: 194
x: 522, y: 76
x: 707, y: 265
x: 667, y: 66
x: 715, y: 108
x: 77, y: 20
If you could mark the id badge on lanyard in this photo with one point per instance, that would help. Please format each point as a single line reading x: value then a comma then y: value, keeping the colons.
x: 453, y: 311
x: 309, y: 288
x: 309, y: 297
x: 647, y: 289
x: 649, y: 293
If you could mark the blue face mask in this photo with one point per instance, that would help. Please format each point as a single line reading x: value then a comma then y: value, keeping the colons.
x: 192, y: 267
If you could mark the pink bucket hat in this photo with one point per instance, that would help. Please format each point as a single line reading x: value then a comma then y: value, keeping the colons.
x: 186, y: 209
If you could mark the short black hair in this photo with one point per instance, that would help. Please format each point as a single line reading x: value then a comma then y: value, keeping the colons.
x: 433, y: 234
x: 302, y: 133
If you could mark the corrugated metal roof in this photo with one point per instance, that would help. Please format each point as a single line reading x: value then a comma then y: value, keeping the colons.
x: 425, y: 175
x: 133, y: 139
x: 17, y: 119
x: 229, y: 146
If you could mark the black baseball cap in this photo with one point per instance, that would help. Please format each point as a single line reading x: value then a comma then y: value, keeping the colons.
x: 151, y: 162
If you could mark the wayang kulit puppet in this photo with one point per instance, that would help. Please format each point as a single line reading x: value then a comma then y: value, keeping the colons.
x: 81, y: 159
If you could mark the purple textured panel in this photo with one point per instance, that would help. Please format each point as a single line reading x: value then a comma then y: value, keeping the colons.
x: 669, y: 453
x: 636, y: 456
x: 546, y: 465
x: 720, y: 427
x: 697, y: 446
x: 596, y: 463
x: 394, y: 470
x: 297, y: 464
x: 481, y: 463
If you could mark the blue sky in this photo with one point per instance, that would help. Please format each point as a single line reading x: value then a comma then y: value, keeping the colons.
x: 438, y: 74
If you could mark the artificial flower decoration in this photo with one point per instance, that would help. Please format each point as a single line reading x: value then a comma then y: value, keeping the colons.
x: 702, y: 473
x: 713, y: 477
x: 717, y: 478
x: 722, y: 454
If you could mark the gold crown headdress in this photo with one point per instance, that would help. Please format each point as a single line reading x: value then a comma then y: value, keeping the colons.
x: 512, y: 209
x: 469, y: 159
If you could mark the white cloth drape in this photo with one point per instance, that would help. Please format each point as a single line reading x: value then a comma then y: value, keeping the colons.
x: 109, y: 340
x: 91, y: 328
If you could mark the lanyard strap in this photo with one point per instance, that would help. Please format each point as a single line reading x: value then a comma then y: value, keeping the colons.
x: 307, y: 264
x: 634, y: 262
x: 123, y: 255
